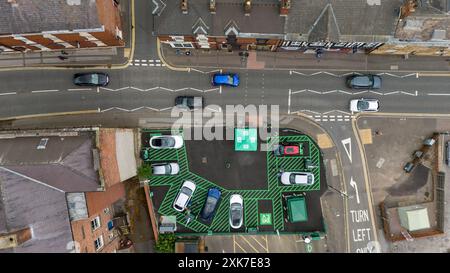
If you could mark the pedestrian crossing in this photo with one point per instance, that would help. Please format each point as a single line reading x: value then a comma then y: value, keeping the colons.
x: 330, y: 118
x: 142, y: 62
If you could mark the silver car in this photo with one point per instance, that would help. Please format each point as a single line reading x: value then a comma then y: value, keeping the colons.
x: 165, y: 169
x: 236, y: 211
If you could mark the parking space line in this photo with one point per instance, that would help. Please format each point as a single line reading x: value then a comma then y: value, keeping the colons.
x: 249, y: 244
x: 253, y: 237
x: 267, y: 244
x: 236, y: 243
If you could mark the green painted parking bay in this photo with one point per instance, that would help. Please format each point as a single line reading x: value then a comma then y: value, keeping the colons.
x: 252, y: 174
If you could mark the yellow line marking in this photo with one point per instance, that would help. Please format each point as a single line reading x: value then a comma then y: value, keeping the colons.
x: 236, y: 243
x: 253, y: 237
x: 161, y: 57
x: 267, y: 245
x: 256, y: 250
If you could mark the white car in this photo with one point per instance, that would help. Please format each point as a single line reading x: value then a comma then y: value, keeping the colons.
x: 165, y: 169
x: 236, y: 211
x: 184, y: 196
x: 297, y: 178
x: 166, y: 142
x: 364, y: 105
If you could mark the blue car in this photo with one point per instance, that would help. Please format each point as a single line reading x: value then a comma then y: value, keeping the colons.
x: 225, y: 79
x: 211, y: 204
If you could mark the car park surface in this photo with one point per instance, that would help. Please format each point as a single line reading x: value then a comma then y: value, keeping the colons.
x: 263, y: 198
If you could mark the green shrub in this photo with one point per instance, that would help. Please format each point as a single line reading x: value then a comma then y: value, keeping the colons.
x: 145, y: 171
x: 166, y: 243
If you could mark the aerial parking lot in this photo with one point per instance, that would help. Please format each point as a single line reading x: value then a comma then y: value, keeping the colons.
x: 240, y: 169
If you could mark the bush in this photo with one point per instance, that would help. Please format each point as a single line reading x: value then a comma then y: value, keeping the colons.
x: 166, y: 243
x: 145, y: 171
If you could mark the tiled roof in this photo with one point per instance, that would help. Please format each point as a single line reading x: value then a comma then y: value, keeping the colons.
x: 35, y: 16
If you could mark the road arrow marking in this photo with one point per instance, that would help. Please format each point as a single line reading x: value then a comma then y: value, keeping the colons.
x: 353, y: 184
x: 348, y: 141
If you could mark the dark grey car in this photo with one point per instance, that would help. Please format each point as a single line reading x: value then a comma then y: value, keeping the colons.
x: 91, y: 79
x: 367, y: 81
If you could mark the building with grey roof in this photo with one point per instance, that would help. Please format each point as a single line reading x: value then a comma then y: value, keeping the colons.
x: 37, y: 170
x: 276, y: 24
x: 38, y: 25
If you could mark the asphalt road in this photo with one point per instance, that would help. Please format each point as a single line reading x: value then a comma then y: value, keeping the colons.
x: 36, y: 92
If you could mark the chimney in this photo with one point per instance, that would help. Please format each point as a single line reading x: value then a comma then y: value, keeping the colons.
x: 407, y: 8
x: 212, y: 6
x: 285, y: 6
x: 184, y: 6
x: 15, y: 239
x: 247, y: 7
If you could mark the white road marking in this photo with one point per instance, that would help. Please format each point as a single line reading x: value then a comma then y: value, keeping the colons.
x: 289, y: 102
x: 10, y: 93
x: 355, y: 186
x: 438, y: 94
x: 45, y: 91
x: 152, y: 64
x: 74, y: 89
x: 348, y: 151
x: 220, y: 89
x: 144, y: 61
x: 158, y: 61
x: 145, y: 64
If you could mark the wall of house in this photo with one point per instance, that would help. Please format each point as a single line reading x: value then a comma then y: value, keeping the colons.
x: 85, y: 236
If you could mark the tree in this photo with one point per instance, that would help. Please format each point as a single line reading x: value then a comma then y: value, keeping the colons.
x: 145, y: 171
x: 166, y: 243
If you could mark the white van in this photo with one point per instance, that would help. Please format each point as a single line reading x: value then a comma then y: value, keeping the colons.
x: 296, y: 178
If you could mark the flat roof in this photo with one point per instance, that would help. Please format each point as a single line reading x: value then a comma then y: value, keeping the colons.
x: 297, y: 209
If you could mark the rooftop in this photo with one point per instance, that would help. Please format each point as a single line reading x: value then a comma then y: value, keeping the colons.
x: 314, y: 20
x: 35, y: 16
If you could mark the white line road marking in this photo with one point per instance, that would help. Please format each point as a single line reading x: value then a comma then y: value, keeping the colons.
x: 137, y: 64
x: 345, y: 142
x: 289, y: 102
x: 98, y: 89
x: 158, y: 61
x: 79, y: 89
x: 353, y: 184
x: 144, y: 61
x: 158, y: 64
x: 137, y: 60
x: 45, y: 91
x: 438, y: 94
x: 391, y: 93
x: 220, y: 89
x: 144, y: 64
x: 10, y: 93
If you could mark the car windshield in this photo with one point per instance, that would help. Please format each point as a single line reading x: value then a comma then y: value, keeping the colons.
x: 363, y: 105
x: 94, y: 78
x: 168, y: 168
x: 235, y: 213
x: 230, y: 79
x: 164, y: 142
x: 186, y: 191
x: 210, y: 204
x: 292, y: 178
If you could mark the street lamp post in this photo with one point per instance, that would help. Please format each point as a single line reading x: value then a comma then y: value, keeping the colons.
x: 340, y: 192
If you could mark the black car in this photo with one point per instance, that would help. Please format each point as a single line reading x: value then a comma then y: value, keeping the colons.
x: 366, y: 81
x: 211, y: 204
x: 91, y: 79
x: 189, y: 102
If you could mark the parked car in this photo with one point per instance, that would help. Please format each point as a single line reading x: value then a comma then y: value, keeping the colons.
x: 184, y: 196
x: 91, y: 79
x: 165, y: 169
x: 364, y: 105
x: 286, y: 150
x: 296, y: 178
x: 227, y: 79
x: 166, y: 142
x: 211, y: 204
x: 366, y: 81
x: 408, y: 167
x: 189, y: 102
x: 236, y: 211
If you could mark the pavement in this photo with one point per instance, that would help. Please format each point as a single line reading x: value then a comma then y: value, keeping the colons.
x: 292, y: 60
x: 86, y: 57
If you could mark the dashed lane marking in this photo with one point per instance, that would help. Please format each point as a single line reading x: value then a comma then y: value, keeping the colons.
x: 44, y: 91
x: 10, y: 93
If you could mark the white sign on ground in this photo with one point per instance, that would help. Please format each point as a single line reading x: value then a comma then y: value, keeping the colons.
x: 353, y: 184
x: 348, y: 142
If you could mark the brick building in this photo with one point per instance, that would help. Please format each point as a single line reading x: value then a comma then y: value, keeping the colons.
x: 275, y: 25
x: 36, y: 25
x: 62, y: 190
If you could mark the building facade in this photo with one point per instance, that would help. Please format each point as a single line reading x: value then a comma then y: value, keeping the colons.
x: 34, y: 25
